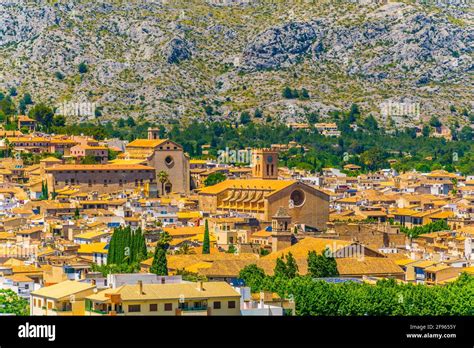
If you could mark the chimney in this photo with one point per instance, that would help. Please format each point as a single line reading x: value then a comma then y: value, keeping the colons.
x: 140, y: 287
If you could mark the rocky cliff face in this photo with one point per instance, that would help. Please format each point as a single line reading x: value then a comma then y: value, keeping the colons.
x: 422, y: 44
x: 177, y: 50
x: 279, y: 46
x: 170, y: 60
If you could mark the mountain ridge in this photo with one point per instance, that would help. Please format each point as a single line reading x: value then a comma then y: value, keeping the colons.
x: 173, y: 60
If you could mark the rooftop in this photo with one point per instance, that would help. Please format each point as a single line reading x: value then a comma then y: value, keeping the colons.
x: 256, y: 184
x: 301, y: 249
x: 174, y: 291
x: 76, y: 167
x: 63, y: 289
x: 148, y: 143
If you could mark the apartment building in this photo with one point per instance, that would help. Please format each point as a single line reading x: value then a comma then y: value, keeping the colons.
x: 65, y: 298
x: 175, y: 299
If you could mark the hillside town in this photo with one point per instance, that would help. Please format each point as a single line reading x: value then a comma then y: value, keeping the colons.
x: 151, y: 231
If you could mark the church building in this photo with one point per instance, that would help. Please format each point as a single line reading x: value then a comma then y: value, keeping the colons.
x: 167, y: 157
x: 264, y: 194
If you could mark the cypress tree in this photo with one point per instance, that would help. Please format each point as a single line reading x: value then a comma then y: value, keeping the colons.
x: 159, y: 265
x: 142, y: 248
x: 119, y: 247
x: 127, y: 245
x: 43, y: 191
x: 112, y: 248
x: 139, y: 250
x: 109, y: 254
x: 46, y: 193
x: 114, y: 245
x: 138, y: 245
x: 121, y: 243
x: 206, y: 247
x: 133, y: 246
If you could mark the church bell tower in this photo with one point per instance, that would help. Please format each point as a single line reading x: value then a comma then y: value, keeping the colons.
x: 265, y: 164
x: 281, y: 234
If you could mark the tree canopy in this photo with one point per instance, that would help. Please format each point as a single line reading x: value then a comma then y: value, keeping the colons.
x: 11, y: 303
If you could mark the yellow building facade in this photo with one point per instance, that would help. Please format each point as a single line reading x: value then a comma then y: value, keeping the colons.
x: 201, y: 298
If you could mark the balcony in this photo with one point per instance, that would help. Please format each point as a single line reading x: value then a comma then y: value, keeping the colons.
x: 98, y: 311
x: 198, y: 308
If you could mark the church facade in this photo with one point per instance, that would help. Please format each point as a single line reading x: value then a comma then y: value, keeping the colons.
x: 265, y: 194
x: 262, y: 199
x: 166, y: 157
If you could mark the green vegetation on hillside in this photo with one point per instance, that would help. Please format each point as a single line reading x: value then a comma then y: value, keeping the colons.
x: 363, y: 141
x: 369, y: 146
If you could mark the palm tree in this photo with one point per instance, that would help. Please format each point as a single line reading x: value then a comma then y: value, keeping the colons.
x: 163, y: 177
x: 164, y: 239
x: 185, y: 250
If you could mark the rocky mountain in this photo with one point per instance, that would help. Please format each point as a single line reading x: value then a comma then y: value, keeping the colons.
x: 167, y: 59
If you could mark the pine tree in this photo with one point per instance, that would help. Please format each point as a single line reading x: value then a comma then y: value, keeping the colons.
x: 314, y: 264
x: 331, y: 266
x: 321, y: 266
x: 287, y: 93
x: 291, y: 266
x: 280, y: 268
x: 159, y: 265
x: 206, y: 248
x: 304, y: 94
